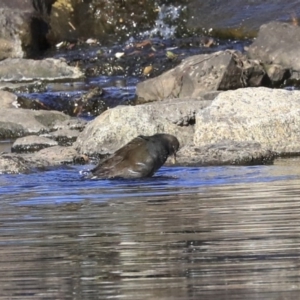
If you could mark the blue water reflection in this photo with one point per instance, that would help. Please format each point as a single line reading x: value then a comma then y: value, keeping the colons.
x: 67, y: 185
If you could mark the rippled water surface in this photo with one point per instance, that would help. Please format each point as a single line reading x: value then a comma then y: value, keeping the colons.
x: 187, y: 233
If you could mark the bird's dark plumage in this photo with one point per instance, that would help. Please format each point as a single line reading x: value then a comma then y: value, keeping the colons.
x: 141, y: 157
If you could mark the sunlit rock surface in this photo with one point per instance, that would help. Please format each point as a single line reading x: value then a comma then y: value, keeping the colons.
x: 270, y: 117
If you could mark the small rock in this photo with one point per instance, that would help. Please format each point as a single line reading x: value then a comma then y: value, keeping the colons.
x: 18, y: 69
x: 11, y: 164
x: 57, y: 155
x: 32, y: 143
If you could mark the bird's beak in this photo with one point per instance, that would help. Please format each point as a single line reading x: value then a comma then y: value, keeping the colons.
x: 174, y: 158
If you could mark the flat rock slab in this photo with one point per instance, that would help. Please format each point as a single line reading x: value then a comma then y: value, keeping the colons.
x: 13, y: 163
x: 20, y: 122
x: 18, y: 69
x: 57, y: 155
x: 198, y: 74
x: 32, y: 143
x: 270, y: 117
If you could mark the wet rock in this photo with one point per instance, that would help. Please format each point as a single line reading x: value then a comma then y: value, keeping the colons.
x: 11, y: 130
x: 18, y: 69
x: 225, y: 153
x: 266, y: 116
x: 28, y: 103
x: 89, y: 104
x: 117, y: 126
x: 24, y: 87
x: 202, y: 73
x: 20, y: 122
x: 278, y: 43
x: 65, y: 137
x: 32, y: 143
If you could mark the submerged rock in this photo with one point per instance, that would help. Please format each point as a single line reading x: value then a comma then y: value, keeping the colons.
x: 198, y: 74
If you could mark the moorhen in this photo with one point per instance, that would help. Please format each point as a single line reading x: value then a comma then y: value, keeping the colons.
x: 141, y: 157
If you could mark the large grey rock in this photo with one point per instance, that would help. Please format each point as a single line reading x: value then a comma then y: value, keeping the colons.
x: 277, y: 43
x: 270, y: 117
x: 117, y: 126
x: 198, y: 74
x: 28, y: 70
x: 20, y: 122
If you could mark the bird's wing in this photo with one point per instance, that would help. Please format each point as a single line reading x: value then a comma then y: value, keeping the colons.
x: 120, y: 156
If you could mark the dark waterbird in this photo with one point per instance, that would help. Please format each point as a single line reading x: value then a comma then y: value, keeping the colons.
x: 141, y: 157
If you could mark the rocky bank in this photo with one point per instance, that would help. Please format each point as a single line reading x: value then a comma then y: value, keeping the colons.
x: 221, y: 106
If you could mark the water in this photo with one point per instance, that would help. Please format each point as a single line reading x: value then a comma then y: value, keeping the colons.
x: 215, y: 232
